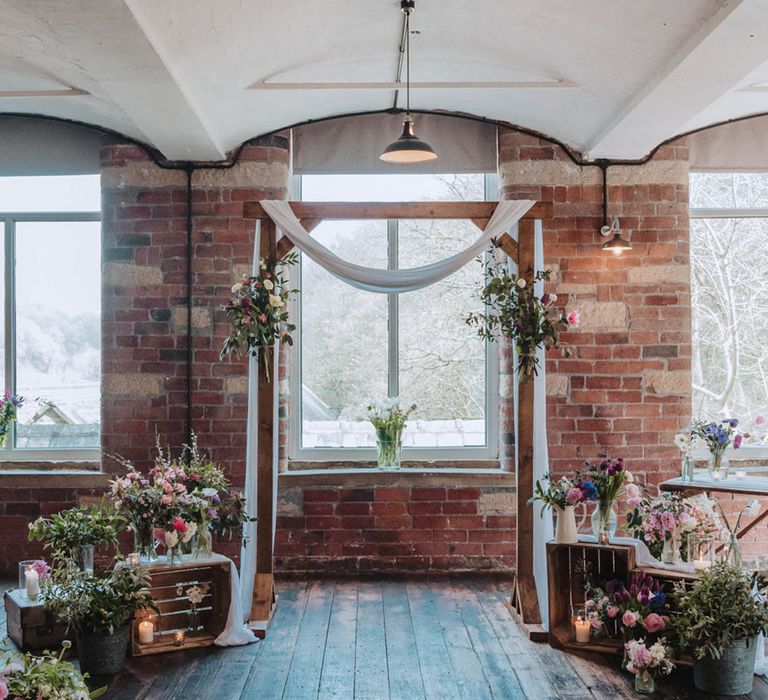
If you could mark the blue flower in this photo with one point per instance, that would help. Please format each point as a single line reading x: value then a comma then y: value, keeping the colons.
x: 657, y: 602
x: 589, y: 490
x: 733, y: 422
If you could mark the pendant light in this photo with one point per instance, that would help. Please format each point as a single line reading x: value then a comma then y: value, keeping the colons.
x: 409, y: 148
x: 617, y: 245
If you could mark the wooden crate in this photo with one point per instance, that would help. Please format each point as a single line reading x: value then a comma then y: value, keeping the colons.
x: 30, y: 625
x: 168, y: 586
x: 566, y: 564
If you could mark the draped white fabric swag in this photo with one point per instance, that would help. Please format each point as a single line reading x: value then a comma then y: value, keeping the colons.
x: 505, y: 218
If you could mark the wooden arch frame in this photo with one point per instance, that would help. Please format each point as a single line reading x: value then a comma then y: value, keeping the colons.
x: 524, y: 603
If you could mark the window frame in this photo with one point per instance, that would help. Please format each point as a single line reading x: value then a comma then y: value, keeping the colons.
x: 9, y: 452
x: 746, y: 451
x: 296, y: 452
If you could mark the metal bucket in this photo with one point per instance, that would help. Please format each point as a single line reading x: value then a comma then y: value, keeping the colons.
x: 732, y: 673
x: 103, y: 654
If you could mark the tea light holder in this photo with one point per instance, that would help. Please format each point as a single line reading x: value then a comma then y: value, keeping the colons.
x: 582, y: 625
x: 29, y: 580
x: 179, y: 637
x: 702, y: 552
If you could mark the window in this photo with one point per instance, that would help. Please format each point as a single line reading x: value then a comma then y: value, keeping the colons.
x: 353, y: 346
x: 51, y: 324
x: 729, y: 287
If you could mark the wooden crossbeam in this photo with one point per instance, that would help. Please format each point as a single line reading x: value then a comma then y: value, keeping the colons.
x: 395, y: 210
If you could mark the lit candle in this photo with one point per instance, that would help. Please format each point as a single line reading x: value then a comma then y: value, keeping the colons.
x: 178, y: 637
x: 582, y: 630
x: 146, y: 632
x: 133, y: 558
x: 32, y: 583
x: 701, y: 564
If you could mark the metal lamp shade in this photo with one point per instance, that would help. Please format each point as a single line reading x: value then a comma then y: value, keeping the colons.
x: 409, y: 148
x: 617, y: 245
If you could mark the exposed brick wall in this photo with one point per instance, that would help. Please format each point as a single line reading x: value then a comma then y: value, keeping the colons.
x: 626, y: 389
x: 395, y: 529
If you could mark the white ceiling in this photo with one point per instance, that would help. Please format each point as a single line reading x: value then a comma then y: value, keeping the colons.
x: 611, y: 78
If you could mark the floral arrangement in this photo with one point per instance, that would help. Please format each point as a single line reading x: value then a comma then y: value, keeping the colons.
x: 718, y: 437
x: 640, y: 658
x: 733, y: 553
x: 257, y: 311
x: 670, y: 516
x: 44, y: 677
x: 686, y: 441
x: 719, y: 609
x: 388, y: 416
x: 180, y: 498
x: 10, y: 403
x: 562, y: 493
x: 516, y: 312
x: 67, y: 531
x: 97, y: 602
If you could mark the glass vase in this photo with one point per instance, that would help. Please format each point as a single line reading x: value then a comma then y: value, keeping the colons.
x: 82, y: 557
x: 733, y: 551
x: 686, y: 472
x: 194, y: 626
x: 203, y: 547
x: 144, y: 541
x: 670, y: 554
x: 174, y: 555
x: 718, y: 466
x: 604, y: 522
x: 644, y: 683
x: 389, y: 445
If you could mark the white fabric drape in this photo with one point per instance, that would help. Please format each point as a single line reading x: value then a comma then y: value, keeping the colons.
x: 542, y: 527
x: 506, y: 215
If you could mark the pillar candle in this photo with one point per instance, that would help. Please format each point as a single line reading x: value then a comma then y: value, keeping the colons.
x: 32, y: 583
x: 146, y: 632
x: 582, y: 630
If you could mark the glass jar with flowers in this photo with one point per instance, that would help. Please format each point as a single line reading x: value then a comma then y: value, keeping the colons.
x: 646, y: 662
x: 686, y: 442
x: 389, y: 419
x: 603, y: 483
x: 9, y: 406
x: 562, y: 497
x: 136, y: 497
x: 718, y: 437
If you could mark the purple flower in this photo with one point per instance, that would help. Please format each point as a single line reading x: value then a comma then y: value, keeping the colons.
x: 733, y: 422
x: 737, y: 440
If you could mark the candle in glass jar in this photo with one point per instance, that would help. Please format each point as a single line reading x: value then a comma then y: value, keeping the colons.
x: 146, y: 632
x: 582, y: 627
x: 178, y: 637
x: 31, y: 583
x: 133, y: 558
x: 701, y: 564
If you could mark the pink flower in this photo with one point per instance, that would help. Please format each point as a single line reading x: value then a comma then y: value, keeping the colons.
x: 654, y: 623
x: 573, y: 496
x: 737, y: 440
x: 574, y: 319
x: 633, y: 490
x: 283, y: 332
x: 262, y: 318
x: 167, y: 487
x: 634, y: 501
x: 166, y: 500
x: 179, y: 525
x: 595, y: 622
x: 3, y: 689
x: 760, y: 420
x: 612, y: 611
x: 629, y: 619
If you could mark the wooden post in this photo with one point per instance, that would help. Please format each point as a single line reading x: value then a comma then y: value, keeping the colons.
x: 263, y: 602
x: 525, y: 601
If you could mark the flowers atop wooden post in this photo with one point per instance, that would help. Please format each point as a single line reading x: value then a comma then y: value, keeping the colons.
x: 257, y: 311
x: 515, y: 311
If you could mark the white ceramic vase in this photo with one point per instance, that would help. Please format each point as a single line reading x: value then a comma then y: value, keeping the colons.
x: 566, y: 531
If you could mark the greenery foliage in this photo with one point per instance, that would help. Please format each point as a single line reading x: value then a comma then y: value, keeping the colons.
x: 70, y: 529
x: 100, y: 602
x: 720, y: 609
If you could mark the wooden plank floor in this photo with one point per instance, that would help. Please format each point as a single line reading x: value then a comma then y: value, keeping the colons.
x: 389, y: 640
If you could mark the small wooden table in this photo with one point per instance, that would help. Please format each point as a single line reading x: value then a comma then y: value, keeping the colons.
x: 746, y: 486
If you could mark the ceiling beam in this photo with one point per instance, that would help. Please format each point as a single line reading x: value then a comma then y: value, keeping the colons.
x: 730, y: 45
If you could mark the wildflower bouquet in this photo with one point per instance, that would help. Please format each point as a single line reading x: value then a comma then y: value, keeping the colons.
x: 9, y: 406
x: 718, y: 437
x: 257, y: 311
x: 46, y: 677
x: 642, y: 609
x: 647, y: 661
x: 603, y: 483
x: 389, y: 419
x: 562, y: 493
x: 515, y: 311
x: 137, y: 498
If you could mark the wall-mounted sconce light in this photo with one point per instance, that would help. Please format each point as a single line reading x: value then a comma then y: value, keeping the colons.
x: 617, y: 245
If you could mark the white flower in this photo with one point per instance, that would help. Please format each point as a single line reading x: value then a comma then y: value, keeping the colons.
x: 753, y: 508
x: 236, y: 287
x: 268, y: 285
x: 275, y: 301
x: 684, y: 443
x: 628, y: 477
x: 195, y: 595
x: 171, y: 538
x: 521, y: 283
x: 190, y: 533
x: 209, y: 492
x: 552, y: 298
x: 262, y: 264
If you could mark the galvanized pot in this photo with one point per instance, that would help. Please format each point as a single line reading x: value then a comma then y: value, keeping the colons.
x: 102, y: 654
x: 732, y: 673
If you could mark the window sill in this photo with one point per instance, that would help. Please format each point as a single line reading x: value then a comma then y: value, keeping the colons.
x: 51, y: 477
x: 302, y: 465
x: 362, y: 476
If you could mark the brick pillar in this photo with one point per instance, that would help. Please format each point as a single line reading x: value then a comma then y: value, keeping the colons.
x: 626, y: 389
x: 143, y: 280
